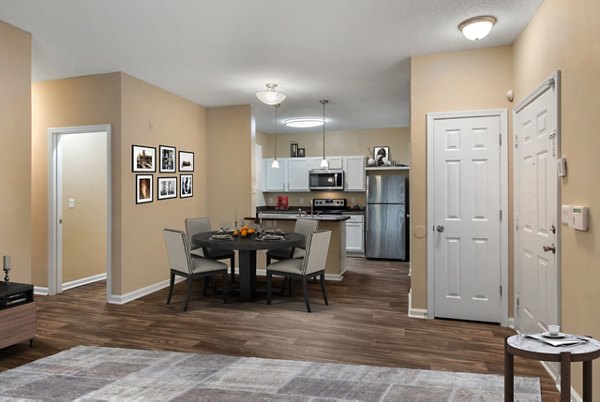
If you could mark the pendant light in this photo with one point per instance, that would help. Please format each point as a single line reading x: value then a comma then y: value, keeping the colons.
x: 275, y: 162
x: 324, y: 163
x: 270, y: 97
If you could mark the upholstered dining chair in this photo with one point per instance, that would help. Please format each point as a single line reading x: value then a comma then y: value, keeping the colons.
x: 182, y: 264
x: 200, y: 225
x: 310, y: 266
x: 304, y: 226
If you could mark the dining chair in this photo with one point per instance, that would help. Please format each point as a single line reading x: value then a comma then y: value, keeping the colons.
x: 183, y: 264
x: 201, y: 225
x: 304, y: 226
x: 310, y: 266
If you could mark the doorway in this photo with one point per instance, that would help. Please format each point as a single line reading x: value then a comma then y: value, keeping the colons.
x: 536, y: 199
x: 79, y: 216
x: 467, y: 197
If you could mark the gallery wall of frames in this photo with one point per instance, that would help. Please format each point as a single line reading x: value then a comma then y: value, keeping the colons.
x: 144, y: 160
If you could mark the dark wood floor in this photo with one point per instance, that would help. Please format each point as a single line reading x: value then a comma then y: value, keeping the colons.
x: 366, y: 322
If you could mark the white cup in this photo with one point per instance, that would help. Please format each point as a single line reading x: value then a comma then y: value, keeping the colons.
x: 553, y: 329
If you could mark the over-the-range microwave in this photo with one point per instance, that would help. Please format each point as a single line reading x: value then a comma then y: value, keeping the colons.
x: 321, y: 179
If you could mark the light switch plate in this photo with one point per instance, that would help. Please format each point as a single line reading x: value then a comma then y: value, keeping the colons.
x: 71, y: 203
x: 565, y: 214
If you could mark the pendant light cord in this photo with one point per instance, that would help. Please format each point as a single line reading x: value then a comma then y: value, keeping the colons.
x: 324, y: 102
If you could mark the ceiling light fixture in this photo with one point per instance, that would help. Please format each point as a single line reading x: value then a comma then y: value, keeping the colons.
x: 477, y: 28
x: 270, y: 97
x: 304, y: 122
x: 275, y: 163
x: 324, y: 163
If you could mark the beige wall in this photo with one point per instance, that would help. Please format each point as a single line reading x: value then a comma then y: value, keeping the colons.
x: 564, y: 36
x: 175, y: 122
x: 231, y: 142
x: 15, y: 141
x: 84, y: 180
x: 447, y: 82
x: 79, y: 101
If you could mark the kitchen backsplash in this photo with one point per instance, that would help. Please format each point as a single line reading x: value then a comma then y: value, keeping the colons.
x: 303, y: 199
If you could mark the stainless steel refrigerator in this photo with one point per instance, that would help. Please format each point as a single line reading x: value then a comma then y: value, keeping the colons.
x: 386, y: 217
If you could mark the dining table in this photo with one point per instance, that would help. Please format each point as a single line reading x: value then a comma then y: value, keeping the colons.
x: 246, y: 247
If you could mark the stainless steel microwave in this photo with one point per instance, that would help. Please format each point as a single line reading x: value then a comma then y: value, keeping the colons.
x: 321, y: 179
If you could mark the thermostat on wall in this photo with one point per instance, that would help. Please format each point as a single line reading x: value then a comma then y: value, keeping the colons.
x: 579, y: 217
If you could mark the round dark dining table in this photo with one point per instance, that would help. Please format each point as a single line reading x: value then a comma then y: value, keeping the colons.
x: 246, y: 247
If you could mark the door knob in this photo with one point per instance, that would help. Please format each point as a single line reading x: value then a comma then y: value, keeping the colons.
x: 440, y: 228
x: 550, y: 248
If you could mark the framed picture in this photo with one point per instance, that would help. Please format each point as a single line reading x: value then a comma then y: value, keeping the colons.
x: 186, y: 187
x: 301, y: 153
x: 294, y: 149
x: 167, y: 159
x: 381, y: 155
x: 167, y: 188
x: 143, y: 159
x: 143, y: 188
x: 186, y: 161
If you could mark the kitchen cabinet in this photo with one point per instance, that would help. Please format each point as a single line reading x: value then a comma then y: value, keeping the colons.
x: 354, y: 169
x: 355, y: 229
x: 275, y: 179
x: 297, y: 174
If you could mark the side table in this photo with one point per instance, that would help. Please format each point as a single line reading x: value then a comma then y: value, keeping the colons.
x: 519, y: 345
x: 17, y: 313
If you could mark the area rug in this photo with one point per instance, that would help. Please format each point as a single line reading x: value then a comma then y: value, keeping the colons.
x: 98, y: 373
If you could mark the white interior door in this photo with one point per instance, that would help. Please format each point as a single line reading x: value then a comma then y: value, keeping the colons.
x: 536, y: 208
x: 465, y: 197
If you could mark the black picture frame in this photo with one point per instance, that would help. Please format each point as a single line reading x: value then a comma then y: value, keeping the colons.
x: 186, y: 161
x: 167, y: 159
x: 381, y: 154
x: 186, y: 186
x: 143, y: 159
x: 301, y: 152
x: 294, y: 149
x: 166, y: 188
x: 144, y: 188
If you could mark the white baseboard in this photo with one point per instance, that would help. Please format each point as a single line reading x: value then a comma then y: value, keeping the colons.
x: 83, y: 281
x: 136, y: 294
x: 40, y: 290
x: 415, y: 312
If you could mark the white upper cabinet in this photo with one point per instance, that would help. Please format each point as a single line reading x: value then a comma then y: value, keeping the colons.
x: 275, y: 179
x: 298, y: 174
x: 354, y: 170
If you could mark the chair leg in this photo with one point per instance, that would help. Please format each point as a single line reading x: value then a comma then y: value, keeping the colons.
x: 269, y: 280
x: 268, y: 260
x: 305, y: 291
x: 225, y: 300
x: 323, y: 289
x: 205, y: 282
x: 214, y: 283
x: 172, y: 283
x: 290, y: 284
x: 233, y: 269
x: 188, y: 293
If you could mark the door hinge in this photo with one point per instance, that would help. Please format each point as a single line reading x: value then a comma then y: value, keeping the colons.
x: 518, y: 303
x: 516, y: 141
x: 500, y: 290
x: 500, y: 212
x: 500, y: 139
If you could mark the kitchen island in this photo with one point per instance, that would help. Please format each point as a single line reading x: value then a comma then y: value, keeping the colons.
x: 285, y: 220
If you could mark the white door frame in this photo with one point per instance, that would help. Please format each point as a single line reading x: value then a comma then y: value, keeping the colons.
x: 551, y: 82
x: 431, y: 117
x: 54, y: 207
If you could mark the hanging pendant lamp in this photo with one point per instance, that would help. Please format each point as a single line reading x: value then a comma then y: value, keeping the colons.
x: 275, y: 162
x: 324, y: 163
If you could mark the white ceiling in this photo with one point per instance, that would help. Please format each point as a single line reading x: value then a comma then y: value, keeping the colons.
x: 356, y: 53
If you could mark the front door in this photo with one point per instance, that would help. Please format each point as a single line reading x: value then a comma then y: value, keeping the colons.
x: 466, y: 216
x: 536, y: 213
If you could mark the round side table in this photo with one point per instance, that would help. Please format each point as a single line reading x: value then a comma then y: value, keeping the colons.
x: 520, y: 345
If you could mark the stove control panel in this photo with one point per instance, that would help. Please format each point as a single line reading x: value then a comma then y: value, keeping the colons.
x: 329, y: 203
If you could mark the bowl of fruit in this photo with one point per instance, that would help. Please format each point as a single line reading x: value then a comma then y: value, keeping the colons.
x: 244, y: 231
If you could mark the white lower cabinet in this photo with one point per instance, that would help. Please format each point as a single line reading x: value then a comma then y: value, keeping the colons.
x: 355, y: 230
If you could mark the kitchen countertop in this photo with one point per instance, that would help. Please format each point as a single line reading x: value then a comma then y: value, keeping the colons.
x: 291, y: 215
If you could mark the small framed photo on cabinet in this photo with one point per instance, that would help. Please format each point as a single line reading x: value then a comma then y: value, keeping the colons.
x: 301, y: 152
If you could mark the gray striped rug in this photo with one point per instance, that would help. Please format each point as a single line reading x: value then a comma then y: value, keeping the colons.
x: 98, y: 373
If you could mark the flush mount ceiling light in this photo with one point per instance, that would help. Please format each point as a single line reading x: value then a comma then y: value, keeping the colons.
x: 305, y: 122
x: 270, y: 97
x: 477, y: 28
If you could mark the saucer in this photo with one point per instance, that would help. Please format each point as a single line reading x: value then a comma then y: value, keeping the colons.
x: 557, y: 336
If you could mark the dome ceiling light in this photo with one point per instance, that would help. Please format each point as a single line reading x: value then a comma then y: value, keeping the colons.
x: 270, y: 96
x: 477, y: 28
x: 304, y: 122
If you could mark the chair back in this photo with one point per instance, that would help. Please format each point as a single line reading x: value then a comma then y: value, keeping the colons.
x: 178, y: 251
x: 317, y: 246
x: 306, y: 227
x: 196, y: 225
